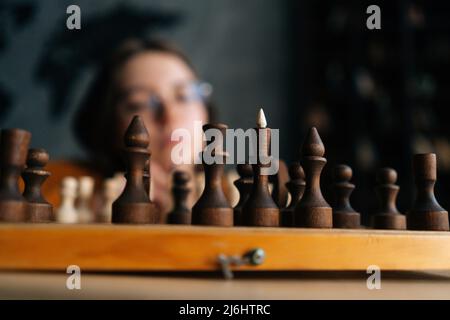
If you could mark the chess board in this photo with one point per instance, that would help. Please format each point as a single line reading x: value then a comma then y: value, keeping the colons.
x: 120, y: 248
x: 211, y: 236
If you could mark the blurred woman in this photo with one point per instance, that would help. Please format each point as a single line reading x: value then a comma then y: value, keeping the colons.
x: 155, y: 80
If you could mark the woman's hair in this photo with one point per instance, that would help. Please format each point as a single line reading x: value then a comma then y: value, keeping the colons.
x: 93, y: 121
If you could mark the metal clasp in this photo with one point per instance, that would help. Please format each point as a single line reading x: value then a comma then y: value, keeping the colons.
x: 253, y: 257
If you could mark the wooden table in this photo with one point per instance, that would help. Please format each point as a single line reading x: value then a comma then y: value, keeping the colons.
x: 32, y: 285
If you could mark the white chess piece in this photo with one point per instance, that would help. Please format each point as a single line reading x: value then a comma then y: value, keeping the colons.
x: 67, y: 213
x: 110, y: 194
x: 121, y: 181
x: 86, y: 189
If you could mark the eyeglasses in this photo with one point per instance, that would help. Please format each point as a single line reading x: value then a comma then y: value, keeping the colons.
x: 183, y: 95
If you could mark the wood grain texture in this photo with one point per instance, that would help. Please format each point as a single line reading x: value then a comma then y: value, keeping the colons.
x: 171, y: 248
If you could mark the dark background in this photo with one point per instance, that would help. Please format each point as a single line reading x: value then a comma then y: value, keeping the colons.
x: 376, y: 96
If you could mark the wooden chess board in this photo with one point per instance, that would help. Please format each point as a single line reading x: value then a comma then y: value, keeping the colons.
x: 106, y: 247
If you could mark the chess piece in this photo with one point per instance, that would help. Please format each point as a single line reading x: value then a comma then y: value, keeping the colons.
x: 426, y: 213
x: 244, y: 186
x: 38, y: 209
x: 67, y: 213
x: 120, y: 182
x: 134, y: 205
x: 280, y: 192
x: 110, y: 194
x: 313, y: 211
x: 86, y: 189
x: 212, y: 207
x: 260, y: 209
x: 387, y: 216
x: 344, y: 216
x: 181, y: 214
x: 296, y: 187
x: 13, y: 154
x: 146, y: 177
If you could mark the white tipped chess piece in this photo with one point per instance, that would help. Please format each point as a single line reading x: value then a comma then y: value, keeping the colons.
x: 261, y: 121
x: 67, y: 213
x: 86, y: 190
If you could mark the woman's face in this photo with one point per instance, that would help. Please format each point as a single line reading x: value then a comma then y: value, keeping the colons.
x: 161, y: 88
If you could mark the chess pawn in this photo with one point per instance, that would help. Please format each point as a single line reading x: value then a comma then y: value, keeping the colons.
x: 38, y: 209
x: 426, y: 213
x: 67, y: 213
x: 13, y: 154
x: 260, y: 210
x: 244, y: 186
x: 212, y: 208
x: 313, y: 211
x: 134, y: 205
x: 181, y: 214
x: 344, y: 216
x: 86, y: 189
x: 296, y: 187
x: 120, y: 182
x: 110, y: 194
x: 387, y: 216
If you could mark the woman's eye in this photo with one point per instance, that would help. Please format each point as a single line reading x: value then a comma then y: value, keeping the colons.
x: 184, y: 97
x: 154, y: 102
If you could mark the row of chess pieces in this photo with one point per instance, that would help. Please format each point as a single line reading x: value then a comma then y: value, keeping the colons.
x: 256, y: 207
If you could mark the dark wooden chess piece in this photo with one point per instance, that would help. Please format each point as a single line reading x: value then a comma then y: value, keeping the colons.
x: 426, y: 213
x: 279, y: 180
x: 38, y: 209
x: 212, y: 208
x: 260, y: 209
x: 296, y: 187
x: 146, y: 177
x: 387, y: 216
x: 134, y: 205
x: 344, y: 216
x: 181, y: 214
x: 13, y: 154
x: 244, y: 185
x: 313, y: 211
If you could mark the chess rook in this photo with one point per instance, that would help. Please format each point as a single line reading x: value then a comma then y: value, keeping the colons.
x: 38, y: 209
x: 181, y: 214
x: 344, y: 216
x: 13, y: 154
x: 313, y: 211
x: 133, y: 205
x: 387, y: 215
x: 212, y: 208
x: 296, y: 187
x: 260, y: 210
x: 244, y: 186
x: 426, y: 213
